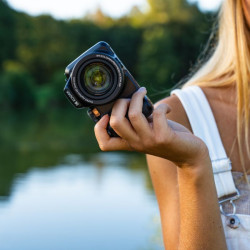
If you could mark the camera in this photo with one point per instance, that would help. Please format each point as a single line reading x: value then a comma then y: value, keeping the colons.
x: 96, y: 79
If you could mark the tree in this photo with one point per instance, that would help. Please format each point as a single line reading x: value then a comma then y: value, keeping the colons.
x: 162, y: 11
x: 17, y: 89
x: 7, y: 32
x: 168, y: 52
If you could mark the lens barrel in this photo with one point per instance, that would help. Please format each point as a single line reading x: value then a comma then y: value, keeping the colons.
x: 97, y: 79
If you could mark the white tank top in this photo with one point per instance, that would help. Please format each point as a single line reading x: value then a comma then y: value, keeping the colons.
x: 236, y: 225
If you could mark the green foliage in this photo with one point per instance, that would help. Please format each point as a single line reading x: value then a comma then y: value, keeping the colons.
x: 163, y: 11
x: 157, y: 47
x: 126, y: 42
x: 42, y: 45
x: 17, y: 90
x: 168, y: 52
x: 51, y: 95
x: 7, y: 32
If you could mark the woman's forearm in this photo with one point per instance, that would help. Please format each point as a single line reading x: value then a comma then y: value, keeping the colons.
x: 200, y: 221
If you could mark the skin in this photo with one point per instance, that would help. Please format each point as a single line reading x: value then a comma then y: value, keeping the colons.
x: 178, y: 161
x: 174, y: 153
x: 165, y: 177
x: 138, y: 134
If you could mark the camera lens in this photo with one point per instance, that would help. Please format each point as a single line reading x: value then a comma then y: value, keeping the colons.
x: 97, y: 78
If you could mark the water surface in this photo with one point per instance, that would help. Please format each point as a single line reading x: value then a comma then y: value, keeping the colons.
x: 54, y: 197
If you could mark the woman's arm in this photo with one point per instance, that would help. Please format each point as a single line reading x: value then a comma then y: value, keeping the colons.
x: 188, y: 205
x: 198, y: 223
x: 165, y: 175
x: 199, y: 209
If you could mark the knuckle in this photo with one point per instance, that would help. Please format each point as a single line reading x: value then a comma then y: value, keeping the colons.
x: 161, y: 140
x: 166, y: 139
x: 147, y: 142
x: 96, y: 128
x: 157, y: 112
x: 103, y: 147
x: 115, y: 121
x: 163, y: 105
x: 133, y: 115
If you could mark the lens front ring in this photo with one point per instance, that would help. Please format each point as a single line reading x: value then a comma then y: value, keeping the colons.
x: 107, y: 94
x: 92, y: 94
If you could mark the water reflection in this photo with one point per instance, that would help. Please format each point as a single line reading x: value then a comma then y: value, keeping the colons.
x: 57, y: 191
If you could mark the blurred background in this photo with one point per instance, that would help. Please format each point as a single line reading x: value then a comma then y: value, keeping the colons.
x: 57, y: 190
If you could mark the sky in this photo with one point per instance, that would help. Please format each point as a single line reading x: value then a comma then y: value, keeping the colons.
x: 62, y: 9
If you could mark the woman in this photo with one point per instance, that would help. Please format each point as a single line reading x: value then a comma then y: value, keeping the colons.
x: 180, y: 163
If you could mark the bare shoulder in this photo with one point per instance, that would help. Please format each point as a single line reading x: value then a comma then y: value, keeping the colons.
x: 177, y: 113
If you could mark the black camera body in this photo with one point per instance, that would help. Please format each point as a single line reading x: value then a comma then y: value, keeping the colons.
x: 96, y: 79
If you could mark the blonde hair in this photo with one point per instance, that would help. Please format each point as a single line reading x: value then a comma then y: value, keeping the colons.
x: 229, y: 64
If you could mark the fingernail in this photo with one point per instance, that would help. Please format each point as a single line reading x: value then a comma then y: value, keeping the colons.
x: 142, y: 89
x: 105, y: 116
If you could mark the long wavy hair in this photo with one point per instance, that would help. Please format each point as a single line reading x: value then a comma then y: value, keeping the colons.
x: 228, y: 63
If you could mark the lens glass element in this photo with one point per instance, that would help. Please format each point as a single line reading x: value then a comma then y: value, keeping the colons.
x: 97, y: 78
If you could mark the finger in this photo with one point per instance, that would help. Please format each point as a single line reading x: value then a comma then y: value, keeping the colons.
x: 178, y: 127
x: 136, y: 117
x: 119, y: 122
x: 100, y: 129
x: 160, y: 123
x: 107, y: 143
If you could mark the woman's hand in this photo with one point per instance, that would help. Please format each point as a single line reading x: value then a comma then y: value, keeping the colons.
x: 156, y: 136
x: 190, y: 192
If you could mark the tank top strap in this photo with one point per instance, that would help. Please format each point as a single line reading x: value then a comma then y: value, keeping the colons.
x: 204, y: 126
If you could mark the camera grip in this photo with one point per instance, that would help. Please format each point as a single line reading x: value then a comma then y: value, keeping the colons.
x: 147, y: 107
